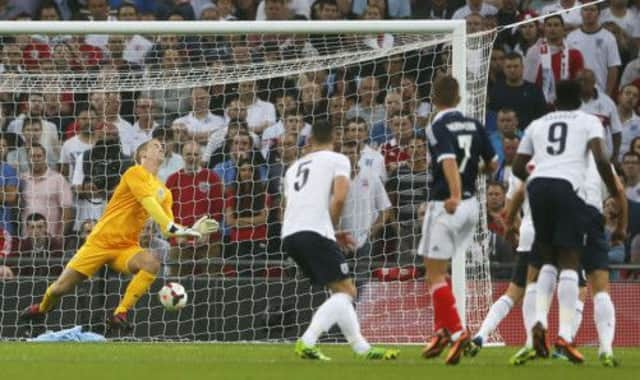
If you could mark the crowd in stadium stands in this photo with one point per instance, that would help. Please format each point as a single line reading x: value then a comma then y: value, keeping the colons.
x: 228, y: 146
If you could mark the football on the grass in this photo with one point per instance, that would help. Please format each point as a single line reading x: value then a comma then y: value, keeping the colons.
x: 173, y: 296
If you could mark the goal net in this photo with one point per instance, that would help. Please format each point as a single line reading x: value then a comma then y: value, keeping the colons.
x: 233, y: 110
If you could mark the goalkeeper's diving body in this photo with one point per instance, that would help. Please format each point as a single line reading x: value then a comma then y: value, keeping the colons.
x: 115, y: 238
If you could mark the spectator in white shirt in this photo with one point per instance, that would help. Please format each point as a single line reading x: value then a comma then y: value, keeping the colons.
x: 35, y: 110
x: 276, y: 10
x: 91, y: 181
x: 236, y: 110
x: 173, y: 161
x: 326, y: 10
x: 475, y: 22
x: 598, y: 47
x: 475, y: 6
x: 627, y: 102
x: 142, y: 130
x: 169, y: 102
x: 127, y: 12
x: 226, y: 10
x: 367, y: 105
x: 572, y: 19
x: 291, y: 123
x: 380, y: 40
x: 200, y: 123
x: 381, y: 132
x: 12, y: 61
x: 337, y: 108
x: 32, y: 134
x: 390, y: 9
x: 357, y: 130
x: 631, y: 73
x: 619, y: 13
x: 296, y: 7
x: 364, y: 214
x: 289, y: 119
x: 73, y: 148
x: 313, y: 101
x: 412, y: 99
x: 99, y: 10
x: 136, y: 46
x: 601, y: 105
x: 260, y: 114
x: 107, y: 109
x: 631, y: 169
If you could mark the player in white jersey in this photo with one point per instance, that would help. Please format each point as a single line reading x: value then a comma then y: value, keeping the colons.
x: 595, y: 259
x: 516, y: 291
x: 559, y: 143
x: 316, y: 188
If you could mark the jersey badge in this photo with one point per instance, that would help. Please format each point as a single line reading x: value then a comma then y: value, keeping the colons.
x: 204, y: 187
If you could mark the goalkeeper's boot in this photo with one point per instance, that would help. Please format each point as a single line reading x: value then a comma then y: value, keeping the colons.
x: 522, y: 356
x: 379, y: 353
x: 436, y: 345
x: 474, y: 347
x: 608, y: 360
x: 309, y: 352
x: 458, y: 347
x: 569, y: 351
x: 32, y: 313
x: 540, y: 342
x: 119, y: 322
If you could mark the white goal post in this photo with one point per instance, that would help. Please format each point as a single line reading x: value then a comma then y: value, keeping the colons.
x: 468, y: 63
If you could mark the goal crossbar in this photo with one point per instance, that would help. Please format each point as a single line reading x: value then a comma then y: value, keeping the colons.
x: 235, y: 27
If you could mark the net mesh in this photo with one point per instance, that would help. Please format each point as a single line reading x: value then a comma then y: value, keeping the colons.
x: 239, y: 98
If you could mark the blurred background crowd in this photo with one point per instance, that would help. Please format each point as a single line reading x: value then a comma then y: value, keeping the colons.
x: 228, y: 145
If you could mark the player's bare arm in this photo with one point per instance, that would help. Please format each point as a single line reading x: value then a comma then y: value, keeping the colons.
x: 489, y: 167
x: 519, y: 167
x: 340, y: 191
x: 616, y: 139
x: 619, y: 235
x: 451, y: 173
x: 513, y: 207
x: 603, y: 164
x: 339, y: 198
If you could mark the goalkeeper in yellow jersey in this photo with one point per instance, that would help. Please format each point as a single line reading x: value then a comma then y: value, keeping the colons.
x: 114, y: 240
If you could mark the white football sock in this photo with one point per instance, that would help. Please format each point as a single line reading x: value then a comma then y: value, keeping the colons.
x: 529, y: 311
x: 325, y: 317
x: 604, y: 315
x: 577, y: 321
x: 547, y: 279
x: 349, y: 325
x: 567, y: 298
x: 496, y: 314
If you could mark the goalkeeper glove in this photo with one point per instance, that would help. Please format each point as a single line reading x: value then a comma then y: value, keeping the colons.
x: 206, y: 225
x: 181, y: 231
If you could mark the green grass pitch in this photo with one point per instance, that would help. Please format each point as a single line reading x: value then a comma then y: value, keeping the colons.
x: 158, y: 361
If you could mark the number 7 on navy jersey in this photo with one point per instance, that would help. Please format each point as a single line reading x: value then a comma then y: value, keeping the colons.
x: 464, y: 142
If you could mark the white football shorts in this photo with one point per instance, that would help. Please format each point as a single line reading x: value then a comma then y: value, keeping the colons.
x: 445, y: 235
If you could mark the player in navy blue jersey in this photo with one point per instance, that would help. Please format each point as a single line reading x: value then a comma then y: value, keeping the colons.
x: 456, y: 145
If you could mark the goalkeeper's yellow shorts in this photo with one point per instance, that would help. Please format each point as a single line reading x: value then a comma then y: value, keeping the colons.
x: 90, y: 258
